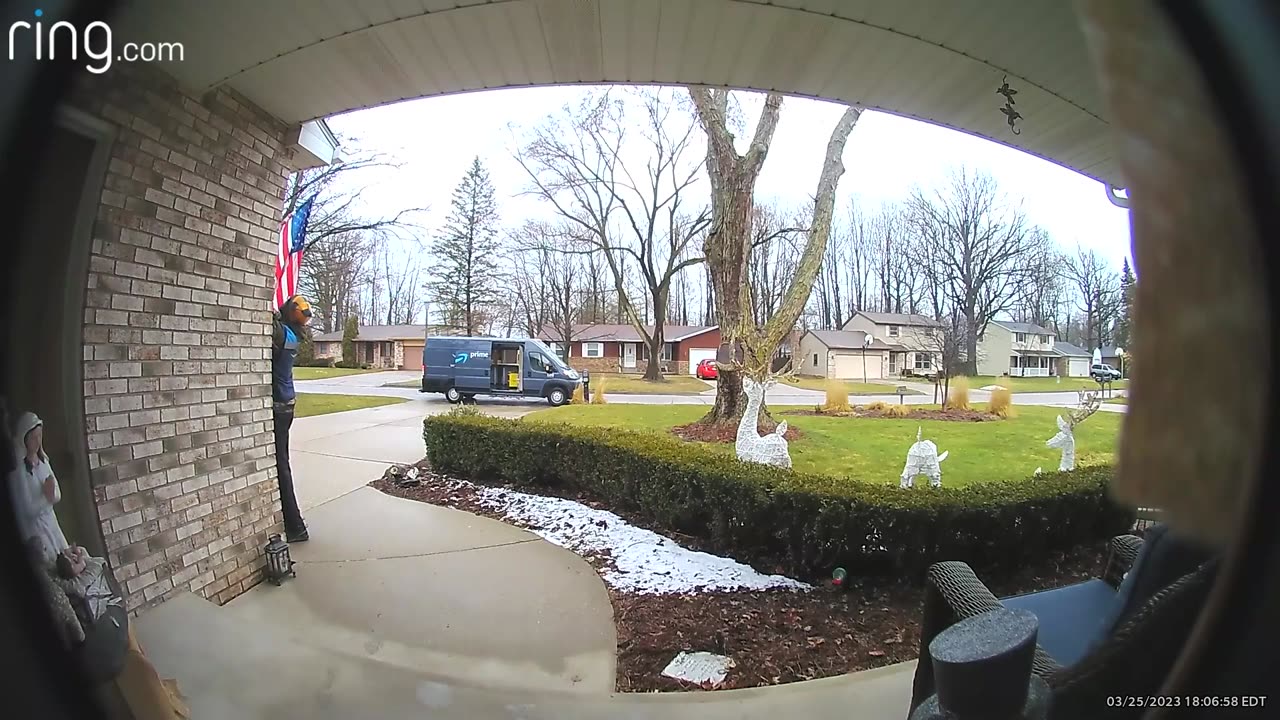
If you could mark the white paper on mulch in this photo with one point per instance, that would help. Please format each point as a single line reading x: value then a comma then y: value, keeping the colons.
x: 699, y: 667
x: 643, y: 561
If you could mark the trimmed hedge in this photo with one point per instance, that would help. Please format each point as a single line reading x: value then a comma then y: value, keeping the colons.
x: 805, y: 523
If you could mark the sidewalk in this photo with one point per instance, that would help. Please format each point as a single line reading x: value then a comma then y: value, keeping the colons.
x: 407, y: 610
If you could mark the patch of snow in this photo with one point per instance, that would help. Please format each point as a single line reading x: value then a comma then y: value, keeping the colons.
x: 644, y: 562
x: 699, y: 667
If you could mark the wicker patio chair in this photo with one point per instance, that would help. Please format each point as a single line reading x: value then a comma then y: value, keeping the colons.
x: 1130, y: 647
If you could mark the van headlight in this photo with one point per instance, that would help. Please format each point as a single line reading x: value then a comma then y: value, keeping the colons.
x: 571, y: 374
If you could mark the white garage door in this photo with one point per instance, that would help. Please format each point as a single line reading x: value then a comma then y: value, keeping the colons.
x: 697, y: 355
x: 849, y: 366
x: 1078, y: 368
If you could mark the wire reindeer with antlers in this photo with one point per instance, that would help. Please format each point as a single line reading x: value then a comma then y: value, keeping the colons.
x: 1066, y: 439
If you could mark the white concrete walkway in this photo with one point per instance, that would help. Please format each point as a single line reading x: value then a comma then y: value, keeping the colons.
x: 407, y: 610
x: 228, y: 667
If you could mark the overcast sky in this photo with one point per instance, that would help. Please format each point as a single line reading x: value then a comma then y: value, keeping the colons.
x: 434, y: 140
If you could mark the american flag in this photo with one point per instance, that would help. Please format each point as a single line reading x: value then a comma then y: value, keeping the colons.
x: 293, y: 233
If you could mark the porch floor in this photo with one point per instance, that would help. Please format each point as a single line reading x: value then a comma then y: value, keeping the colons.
x: 230, y: 667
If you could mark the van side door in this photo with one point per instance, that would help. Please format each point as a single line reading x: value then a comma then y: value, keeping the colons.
x: 537, y: 370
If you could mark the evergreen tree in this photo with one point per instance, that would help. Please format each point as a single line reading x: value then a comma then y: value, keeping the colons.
x: 306, y: 348
x: 1124, y: 324
x: 350, y: 332
x: 466, y: 284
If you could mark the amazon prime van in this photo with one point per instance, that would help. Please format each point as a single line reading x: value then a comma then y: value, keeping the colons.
x: 464, y: 367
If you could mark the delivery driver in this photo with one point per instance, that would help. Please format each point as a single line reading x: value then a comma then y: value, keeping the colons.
x: 287, y: 329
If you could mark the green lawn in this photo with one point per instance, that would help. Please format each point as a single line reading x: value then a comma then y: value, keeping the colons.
x: 636, y: 385
x: 412, y: 384
x: 321, y: 373
x: 1040, y: 384
x: 1117, y: 401
x: 875, y: 449
x: 317, y: 404
x: 855, y: 388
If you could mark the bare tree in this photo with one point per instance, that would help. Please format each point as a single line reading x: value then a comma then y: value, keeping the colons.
x: 1042, y: 295
x: 974, y: 250
x: 634, y: 214
x: 1098, y: 294
x: 733, y: 178
x: 337, y: 189
x: 334, y: 275
x: 776, y: 244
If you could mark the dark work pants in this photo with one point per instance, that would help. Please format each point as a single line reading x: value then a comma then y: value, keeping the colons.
x: 282, y: 415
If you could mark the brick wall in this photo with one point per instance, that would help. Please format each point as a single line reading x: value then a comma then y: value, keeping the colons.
x: 594, y: 364
x: 176, y: 332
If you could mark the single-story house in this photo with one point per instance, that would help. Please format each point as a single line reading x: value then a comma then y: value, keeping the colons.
x: 1073, y: 361
x: 392, y: 347
x: 1020, y: 349
x: 621, y: 348
x: 845, y: 354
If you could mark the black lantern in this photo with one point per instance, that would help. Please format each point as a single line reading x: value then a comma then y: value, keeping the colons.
x: 279, y: 565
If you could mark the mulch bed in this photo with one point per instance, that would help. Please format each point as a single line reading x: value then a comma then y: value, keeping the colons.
x: 724, y: 433
x: 774, y: 636
x: 915, y: 414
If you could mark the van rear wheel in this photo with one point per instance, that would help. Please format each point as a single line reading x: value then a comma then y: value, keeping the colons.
x: 557, y: 397
x: 453, y: 396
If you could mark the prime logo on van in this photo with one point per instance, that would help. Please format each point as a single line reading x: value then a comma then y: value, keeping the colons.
x: 461, y: 358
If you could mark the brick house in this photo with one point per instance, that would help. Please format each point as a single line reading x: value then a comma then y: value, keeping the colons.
x: 393, y: 347
x: 165, y: 207
x: 621, y: 348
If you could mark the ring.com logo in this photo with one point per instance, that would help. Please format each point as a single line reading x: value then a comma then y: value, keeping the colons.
x: 96, y: 42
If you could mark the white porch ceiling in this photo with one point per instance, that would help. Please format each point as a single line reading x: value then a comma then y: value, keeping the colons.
x: 936, y: 60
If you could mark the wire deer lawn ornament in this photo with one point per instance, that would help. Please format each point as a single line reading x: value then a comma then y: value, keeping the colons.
x: 922, y: 459
x: 770, y: 449
x: 1066, y: 439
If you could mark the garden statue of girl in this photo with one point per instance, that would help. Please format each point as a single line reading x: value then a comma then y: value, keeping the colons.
x: 35, y: 491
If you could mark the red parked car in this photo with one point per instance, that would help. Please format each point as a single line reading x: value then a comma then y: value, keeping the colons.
x: 706, y: 370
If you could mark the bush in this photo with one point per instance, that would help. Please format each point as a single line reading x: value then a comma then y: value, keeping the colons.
x: 597, y: 392
x: 579, y: 397
x: 879, y: 405
x: 837, y: 399
x: 465, y: 411
x: 802, y: 523
x: 899, y: 410
x: 1001, y: 403
x: 324, y: 362
x: 958, y: 394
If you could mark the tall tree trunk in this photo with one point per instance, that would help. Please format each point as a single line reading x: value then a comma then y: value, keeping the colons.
x: 746, y: 347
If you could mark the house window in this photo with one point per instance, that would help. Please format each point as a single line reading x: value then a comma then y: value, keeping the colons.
x: 924, y: 361
x: 893, y: 362
x: 894, y: 331
x: 815, y: 359
x: 561, y: 350
x: 1020, y: 337
x: 666, y: 354
x: 592, y: 349
x: 1044, y: 339
x: 1013, y: 362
